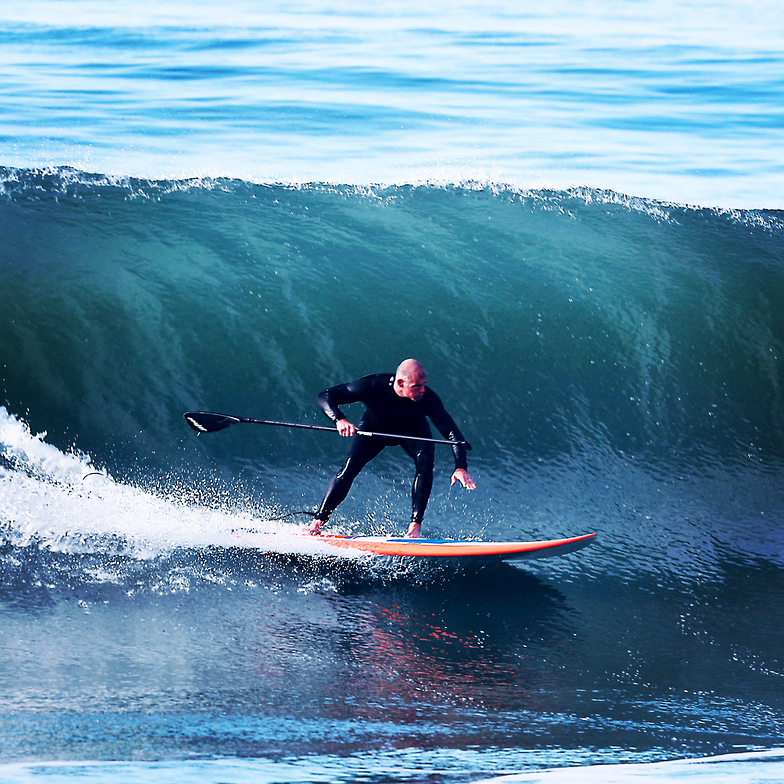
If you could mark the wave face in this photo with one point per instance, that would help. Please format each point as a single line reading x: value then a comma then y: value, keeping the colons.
x: 616, y: 364
x: 580, y: 327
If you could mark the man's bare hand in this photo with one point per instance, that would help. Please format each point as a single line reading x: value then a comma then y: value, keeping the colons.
x: 462, y: 476
x: 345, y: 428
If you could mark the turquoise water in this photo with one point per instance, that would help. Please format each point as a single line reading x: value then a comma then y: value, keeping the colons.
x: 569, y: 215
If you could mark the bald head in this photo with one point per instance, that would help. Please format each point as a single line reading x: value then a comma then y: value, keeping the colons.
x: 410, y: 379
x: 409, y: 368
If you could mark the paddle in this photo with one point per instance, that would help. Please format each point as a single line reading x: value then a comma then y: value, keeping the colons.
x: 206, y: 422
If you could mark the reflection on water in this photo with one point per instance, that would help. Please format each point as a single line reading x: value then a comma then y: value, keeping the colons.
x: 466, y: 638
x: 229, y: 651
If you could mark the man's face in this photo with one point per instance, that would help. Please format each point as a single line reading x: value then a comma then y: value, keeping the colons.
x: 412, y: 387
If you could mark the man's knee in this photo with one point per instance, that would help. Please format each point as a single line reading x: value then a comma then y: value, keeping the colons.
x: 425, y: 460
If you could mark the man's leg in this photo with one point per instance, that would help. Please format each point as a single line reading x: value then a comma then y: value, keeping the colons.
x: 423, y: 457
x: 363, y: 450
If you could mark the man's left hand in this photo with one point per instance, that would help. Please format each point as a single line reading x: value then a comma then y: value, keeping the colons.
x: 462, y: 476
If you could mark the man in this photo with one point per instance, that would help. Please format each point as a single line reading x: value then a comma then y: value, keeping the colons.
x: 399, y: 404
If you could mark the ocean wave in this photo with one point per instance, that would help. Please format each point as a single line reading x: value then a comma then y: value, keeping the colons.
x: 615, y: 354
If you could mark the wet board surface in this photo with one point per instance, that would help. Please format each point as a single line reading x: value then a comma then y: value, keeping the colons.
x: 434, y: 548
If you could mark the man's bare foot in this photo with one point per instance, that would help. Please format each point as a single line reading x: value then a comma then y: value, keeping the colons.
x: 315, y: 527
x: 414, y: 530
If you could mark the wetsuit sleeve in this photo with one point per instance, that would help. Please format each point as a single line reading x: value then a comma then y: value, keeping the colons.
x: 440, y: 417
x: 342, y: 394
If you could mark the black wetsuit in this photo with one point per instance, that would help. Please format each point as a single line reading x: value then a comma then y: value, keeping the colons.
x: 387, y: 412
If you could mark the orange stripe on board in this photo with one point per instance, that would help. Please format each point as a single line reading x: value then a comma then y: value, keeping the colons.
x: 380, y: 546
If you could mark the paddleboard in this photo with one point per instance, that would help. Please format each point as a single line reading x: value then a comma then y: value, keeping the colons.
x: 440, y: 548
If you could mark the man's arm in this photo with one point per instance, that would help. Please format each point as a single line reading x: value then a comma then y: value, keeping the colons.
x: 330, y: 399
x: 449, y: 430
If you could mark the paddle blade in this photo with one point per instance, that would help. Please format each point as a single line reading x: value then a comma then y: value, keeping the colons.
x: 204, y: 422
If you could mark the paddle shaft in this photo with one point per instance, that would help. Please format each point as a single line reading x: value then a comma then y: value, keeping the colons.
x: 204, y: 422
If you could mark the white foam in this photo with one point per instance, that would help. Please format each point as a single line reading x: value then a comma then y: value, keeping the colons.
x: 758, y: 767
x: 63, y: 502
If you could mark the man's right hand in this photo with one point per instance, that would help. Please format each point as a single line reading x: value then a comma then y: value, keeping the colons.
x: 345, y: 428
